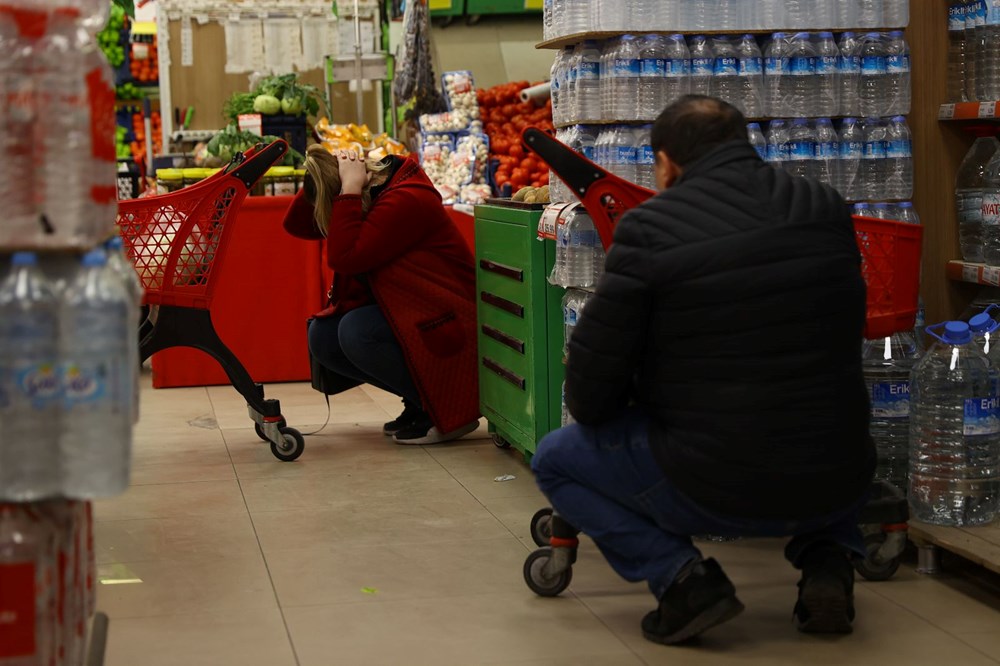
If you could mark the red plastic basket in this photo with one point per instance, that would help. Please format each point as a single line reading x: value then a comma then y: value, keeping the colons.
x: 177, y: 241
x: 890, y: 263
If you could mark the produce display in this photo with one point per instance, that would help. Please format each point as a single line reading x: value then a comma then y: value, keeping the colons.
x: 275, y: 95
x: 232, y: 140
x: 138, y: 147
x: 110, y: 39
x: 504, y: 117
x: 357, y: 138
x: 460, y: 93
x: 413, y: 82
x: 531, y: 195
x: 129, y: 92
x: 144, y: 63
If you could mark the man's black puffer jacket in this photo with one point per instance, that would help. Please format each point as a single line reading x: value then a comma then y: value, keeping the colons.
x: 732, y: 311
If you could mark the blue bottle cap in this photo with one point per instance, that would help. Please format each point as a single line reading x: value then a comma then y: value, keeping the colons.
x: 95, y: 258
x: 826, y: 35
x: 802, y: 35
x: 873, y: 35
x: 779, y: 35
x: 983, y: 323
x: 849, y: 120
x: 800, y: 121
x: 881, y: 205
x: 957, y: 333
x: 115, y: 243
x: 849, y: 35
x: 753, y: 126
x: 899, y: 119
x: 677, y: 35
x: 24, y: 259
x: 906, y: 204
x: 860, y: 206
x: 749, y: 36
x: 896, y: 34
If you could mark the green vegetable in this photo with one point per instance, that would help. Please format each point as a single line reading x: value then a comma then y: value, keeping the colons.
x: 237, y: 105
x: 267, y: 104
x: 291, y: 105
x: 231, y: 140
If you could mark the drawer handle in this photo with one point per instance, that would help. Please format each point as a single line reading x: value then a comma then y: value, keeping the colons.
x: 500, y: 269
x: 503, y: 338
x: 503, y: 372
x: 503, y: 304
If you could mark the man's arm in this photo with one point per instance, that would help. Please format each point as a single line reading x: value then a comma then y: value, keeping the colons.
x: 608, y: 342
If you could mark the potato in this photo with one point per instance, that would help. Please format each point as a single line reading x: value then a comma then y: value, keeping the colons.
x: 530, y: 199
x: 521, y: 193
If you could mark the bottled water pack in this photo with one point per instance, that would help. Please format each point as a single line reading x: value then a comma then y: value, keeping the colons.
x: 970, y: 186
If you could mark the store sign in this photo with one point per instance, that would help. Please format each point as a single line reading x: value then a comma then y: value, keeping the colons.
x: 251, y: 122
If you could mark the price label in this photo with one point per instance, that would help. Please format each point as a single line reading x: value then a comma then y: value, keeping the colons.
x: 187, y: 42
x: 550, y: 219
x: 946, y: 112
x: 991, y: 275
x: 970, y: 273
x: 987, y: 109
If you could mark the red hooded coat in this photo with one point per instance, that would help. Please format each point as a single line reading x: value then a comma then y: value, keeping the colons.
x: 421, y: 273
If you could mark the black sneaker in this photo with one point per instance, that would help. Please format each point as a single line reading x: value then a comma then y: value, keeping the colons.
x: 826, y: 591
x: 701, y: 598
x: 409, y: 416
x: 422, y: 431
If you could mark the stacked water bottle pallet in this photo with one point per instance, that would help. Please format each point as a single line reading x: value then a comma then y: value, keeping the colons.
x: 68, y: 340
x: 973, y: 51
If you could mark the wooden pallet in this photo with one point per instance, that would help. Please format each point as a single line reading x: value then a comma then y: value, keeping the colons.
x: 980, y: 545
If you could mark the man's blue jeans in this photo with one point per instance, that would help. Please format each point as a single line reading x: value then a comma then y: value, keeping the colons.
x: 605, y: 482
x: 360, y: 345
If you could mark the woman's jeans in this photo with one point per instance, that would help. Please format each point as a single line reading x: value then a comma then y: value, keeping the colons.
x: 360, y: 345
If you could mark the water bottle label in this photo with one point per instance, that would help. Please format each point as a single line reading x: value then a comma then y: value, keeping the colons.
x: 827, y: 65
x: 898, y: 149
x: 851, y: 150
x: 981, y: 13
x: 589, y: 70
x: 991, y: 208
x: 625, y: 69
x: 569, y: 318
x: 583, y: 238
x: 826, y: 150
x: 588, y: 152
x: 850, y: 64
x: 891, y: 400
x: 751, y: 66
x: 774, y: 66
x: 802, y: 66
x: 898, y: 64
x: 970, y: 209
x: 726, y: 66
x: 702, y: 66
x: 772, y: 153
x: 873, y: 65
x: 653, y: 68
x: 678, y: 68
x: 956, y: 21
x: 874, y: 150
x: 802, y: 150
x: 38, y: 382
x: 982, y: 416
x: 647, y: 156
x: 84, y: 384
x: 622, y: 155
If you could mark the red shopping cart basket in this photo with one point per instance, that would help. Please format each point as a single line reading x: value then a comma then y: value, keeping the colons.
x: 178, y: 243
x: 890, y: 251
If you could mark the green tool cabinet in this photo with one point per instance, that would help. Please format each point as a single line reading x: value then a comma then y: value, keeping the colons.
x: 520, y: 328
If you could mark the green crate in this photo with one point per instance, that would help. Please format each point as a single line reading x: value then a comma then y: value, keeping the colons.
x: 519, y: 326
x: 503, y: 6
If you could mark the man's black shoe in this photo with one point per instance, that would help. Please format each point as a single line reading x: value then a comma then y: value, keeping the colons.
x: 409, y: 416
x: 826, y: 591
x: 700, y: 598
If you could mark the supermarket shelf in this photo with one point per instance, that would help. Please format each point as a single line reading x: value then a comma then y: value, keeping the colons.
x: 963, y: 271
x: 970, y: 111
x: 980, y: 545
x: 576, y: 38
x: 761, y: 119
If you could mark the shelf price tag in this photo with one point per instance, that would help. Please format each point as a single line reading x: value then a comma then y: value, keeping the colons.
x: 946, y: 112
x: 991, y: 275
x: 987, y: 109
x: 970, y: 272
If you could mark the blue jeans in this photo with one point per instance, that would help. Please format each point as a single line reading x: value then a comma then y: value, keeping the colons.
x: 605, y: 482
x: 360, y: 345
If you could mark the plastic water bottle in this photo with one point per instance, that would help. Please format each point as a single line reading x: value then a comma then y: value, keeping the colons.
x: 608, y: 51
x: 725, y: 71
x: 771, y: 15
x: 954, y: 432
x: 124, y: 270
x: 827, y: 83
x: 751, y: 77
x: 880, y: 211
x: 610, y: 16
x: 956, y: 52
x: 873, y: 91
x: 678, y: 66
x: 778, y: 149
x: 975, y: 17
x: 899, y: 156
x: 731, y: 14
x: 623, y: 159
x: 97, y: 329
x: 801, y: 76
x: 907, y: 214
x: 757, y: 139
x: 872, y: 172
x: 588, y: 81
x: 897, y: 13
x: 849, y: 71
x: 871, y: 13
x: 797, y: 14
x: 898, y: 68
x: 991, y: 212
x: 569, y: 91
x: 776, y: 71
x: 845, y: 14
x: 802, y: 149
x: 654, y: 67
x: 988, y: 79
x: 985, y: 336
x: 970, y: 183
x: 887, y: 365
x: 29, y: 384
x: 625, y: 72
x: 862, y: 209
x: 548, y: 19
x: 575, y: 17
x: 827, y: 154
x: 561, y: 102
x: 645, y: 158
x: 581, y: 252
x: 702, y: 65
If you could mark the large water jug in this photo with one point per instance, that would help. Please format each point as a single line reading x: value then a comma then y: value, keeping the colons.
x: 970, y: 182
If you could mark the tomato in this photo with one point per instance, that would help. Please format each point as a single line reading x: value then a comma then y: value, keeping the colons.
x: 544, y: 179
x: 516, y: 151
x: 529, y: 164
x: 519, y: 175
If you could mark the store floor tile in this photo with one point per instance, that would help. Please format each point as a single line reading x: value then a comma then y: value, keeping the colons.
x: 366, y: 552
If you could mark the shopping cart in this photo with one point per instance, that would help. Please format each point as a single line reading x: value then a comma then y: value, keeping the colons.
x: 891, y: 267
x: 178, y: 242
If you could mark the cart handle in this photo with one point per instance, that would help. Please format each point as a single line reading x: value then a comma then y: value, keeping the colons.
x: 250, y: 166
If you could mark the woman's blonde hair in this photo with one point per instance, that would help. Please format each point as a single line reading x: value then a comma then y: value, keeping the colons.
x: 323, y: 169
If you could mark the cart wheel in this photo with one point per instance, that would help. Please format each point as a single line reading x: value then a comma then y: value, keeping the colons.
x: 538, y: 582
x: 870, y: 570
x: 500, y: 442
x: 292, y: 448
x: 541, y: 527
x: 260, y: 431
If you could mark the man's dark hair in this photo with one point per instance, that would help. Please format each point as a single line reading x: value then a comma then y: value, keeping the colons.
x: 694, y: 125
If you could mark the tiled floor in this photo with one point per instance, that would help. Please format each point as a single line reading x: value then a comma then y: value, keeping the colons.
x: 365, y: 552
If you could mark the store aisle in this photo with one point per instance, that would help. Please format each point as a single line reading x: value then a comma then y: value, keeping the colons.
x: 365, y: 552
